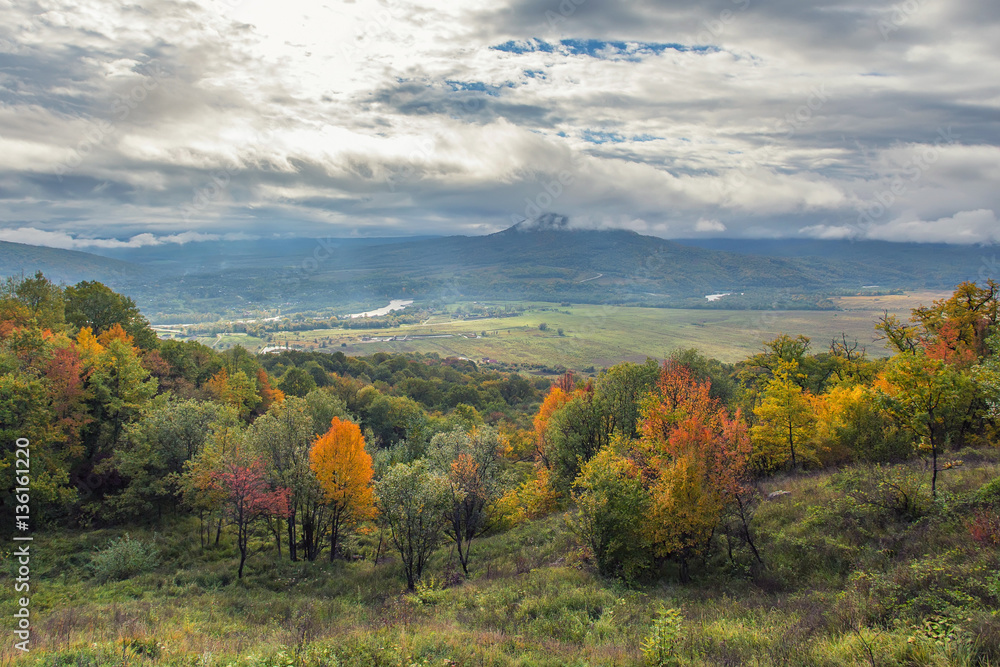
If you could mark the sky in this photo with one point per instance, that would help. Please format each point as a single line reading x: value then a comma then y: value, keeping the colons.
x: 169, y: 121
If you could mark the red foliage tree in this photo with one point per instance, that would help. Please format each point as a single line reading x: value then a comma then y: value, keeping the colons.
x: 66, y: 375
x: 249, y: 499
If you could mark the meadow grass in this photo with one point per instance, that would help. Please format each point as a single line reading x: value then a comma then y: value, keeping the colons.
x: 603, y: 335
x: 846, y: 582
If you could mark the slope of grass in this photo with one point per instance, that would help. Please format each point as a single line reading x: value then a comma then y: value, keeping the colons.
x: 846, y: 582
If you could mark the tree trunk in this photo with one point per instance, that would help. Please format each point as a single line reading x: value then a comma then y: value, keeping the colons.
x: 292, y: 552
x: 934, y: 454
x: 791, y: 443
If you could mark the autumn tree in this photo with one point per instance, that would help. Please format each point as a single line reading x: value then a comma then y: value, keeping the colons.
x: 41, y: 300
x: 412, y: 501
x: 235, y: 389
x: 785, y: 422
x: 344, y: 470
x: 119, y: 387
x: 248, y: 500
x: 555, y: 399
x: 693, y: 457
x: 470, y: 462
x: 928, y: 397
x: 961, y: 323
x: 684, y: 511
x: 283, y: 438
x: 198, y: 487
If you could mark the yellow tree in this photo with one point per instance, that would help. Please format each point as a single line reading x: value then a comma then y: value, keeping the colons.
x: 685, y: 511
x: 785, y: 422
x: 237, y: 390
x: 344, y: 470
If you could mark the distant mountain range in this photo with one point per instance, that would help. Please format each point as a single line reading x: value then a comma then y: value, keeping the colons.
x: 546, y: 259
x: 66, y: 266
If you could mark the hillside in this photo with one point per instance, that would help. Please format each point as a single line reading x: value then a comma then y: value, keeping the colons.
x: 69, y: 266
x: 846, y: 583
x: 543, y: 262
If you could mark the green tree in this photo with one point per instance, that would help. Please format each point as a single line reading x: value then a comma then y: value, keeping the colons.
x: 120, y: 390
x: 621, y: 390
x: 324, y: 405
x: 95, y: 305
x: 412, y: 501
x: 283, y: 437
x: 154, y: 451
x: 611, y: 509
x: 574, y: 434
x: 42, y: 300
x: 296, y: 382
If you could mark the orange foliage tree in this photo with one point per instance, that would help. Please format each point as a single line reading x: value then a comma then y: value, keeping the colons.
x: 695, y: 456
x: 344, y: 470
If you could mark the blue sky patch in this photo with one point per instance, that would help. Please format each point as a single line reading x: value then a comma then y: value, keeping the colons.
x: 601, y: 137
x: 477, y: 87
x: 598, y: 48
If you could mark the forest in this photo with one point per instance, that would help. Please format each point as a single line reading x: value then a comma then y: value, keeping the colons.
x: 807, y: 505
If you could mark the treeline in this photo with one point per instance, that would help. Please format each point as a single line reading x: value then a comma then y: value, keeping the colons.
x: 659, y: 464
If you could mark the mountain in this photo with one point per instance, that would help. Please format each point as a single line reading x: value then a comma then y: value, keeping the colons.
x: 69, y: 266
x: 545, y: 259
x: 930, y: 265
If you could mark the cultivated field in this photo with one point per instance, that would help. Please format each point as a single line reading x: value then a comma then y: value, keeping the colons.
x: 604, y: 335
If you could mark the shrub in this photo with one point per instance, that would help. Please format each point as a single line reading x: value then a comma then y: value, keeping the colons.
x: 662, y: 646
x: 612, y: 504
x: 989, y: 493
x: 124, y: 558
x: 891, y: 492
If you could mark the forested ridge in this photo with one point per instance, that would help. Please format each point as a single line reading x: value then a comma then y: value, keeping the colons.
x: 394, y: 509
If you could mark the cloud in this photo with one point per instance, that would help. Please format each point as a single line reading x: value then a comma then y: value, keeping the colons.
x: 704, y: 225
x: 838, y: 232
x: 32, y: 236
x: 979, y: 226
x: 422, y: 116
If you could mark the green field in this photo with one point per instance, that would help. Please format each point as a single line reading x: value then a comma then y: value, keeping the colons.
x: 596, y: 335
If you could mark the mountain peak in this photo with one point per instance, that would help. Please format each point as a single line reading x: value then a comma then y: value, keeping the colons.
x: 547, y: 222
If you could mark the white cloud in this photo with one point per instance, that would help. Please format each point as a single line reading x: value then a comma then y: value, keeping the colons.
x: 979, y: 226
x: 705, y: 225
x: 829, y: 231
x: 33, y: 236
